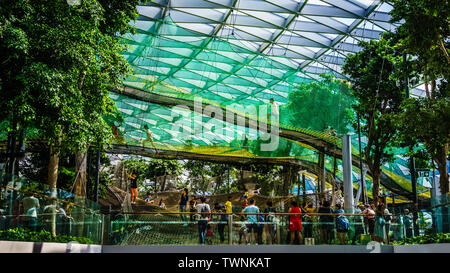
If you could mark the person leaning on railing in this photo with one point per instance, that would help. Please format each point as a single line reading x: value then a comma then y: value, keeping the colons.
x: 359, y: 224
x: 307, y: 223
x: 295, y: 223
x: 192, y: 209
x: 270, y: 229
x: 182, y: 204
x: 370, y: 216
x: 205, y: 213
x: 326, y: 222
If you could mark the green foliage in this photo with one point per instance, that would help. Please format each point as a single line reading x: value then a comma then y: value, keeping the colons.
x: 267, y: 178
x: 430, y: 238
x: 424, y: 33
x: 426, y: 120
x: 35, y: 168
x: 25, y: 235
x: 321, y: 104
x: 152, y: 168
x: 59, y: 65
x: 375, y: 74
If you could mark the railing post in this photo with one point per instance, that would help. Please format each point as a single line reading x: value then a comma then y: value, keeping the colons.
x: 278, y: 232
x: 230, y: 229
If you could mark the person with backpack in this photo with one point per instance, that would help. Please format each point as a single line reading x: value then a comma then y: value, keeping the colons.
x: 342, y: 224
x: 205, y: 214
x: 223, y: 221
x: 270, y: 227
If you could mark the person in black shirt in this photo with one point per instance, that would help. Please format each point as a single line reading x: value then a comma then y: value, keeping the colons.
x: 182, y: 203
x: 326, y: 222
x: 192, y: 209
x: 133, y: 186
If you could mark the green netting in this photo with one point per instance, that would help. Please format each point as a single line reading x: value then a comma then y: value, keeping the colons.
x: 172, y: 62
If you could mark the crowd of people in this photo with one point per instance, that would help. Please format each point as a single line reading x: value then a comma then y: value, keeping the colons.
x: 368, y: 221
x: 377, y: 223
x: 29, y: 212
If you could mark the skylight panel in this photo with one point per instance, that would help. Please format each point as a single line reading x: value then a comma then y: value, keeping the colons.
x: 318, y: 2
x: 366, y: 3
x: 148, y: 11
x: 267, y: 17
x: 201, y: 28
x: 346, y: 21
x: 206, y: 13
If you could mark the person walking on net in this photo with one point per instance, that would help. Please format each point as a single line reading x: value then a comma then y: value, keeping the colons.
x: 133, y: 186
x: 149, y: 138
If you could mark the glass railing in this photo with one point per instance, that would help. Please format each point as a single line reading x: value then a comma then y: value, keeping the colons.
x: 31, y: 211
x: 168, y: 228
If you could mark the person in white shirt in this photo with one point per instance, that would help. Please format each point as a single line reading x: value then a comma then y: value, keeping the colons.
x: 273, y: 111
x: 204, y: 210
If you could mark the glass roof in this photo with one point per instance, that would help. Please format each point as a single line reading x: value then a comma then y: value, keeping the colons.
x: 207, y: 46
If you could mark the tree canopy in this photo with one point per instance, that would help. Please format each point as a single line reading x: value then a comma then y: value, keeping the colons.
x: 321, y: 104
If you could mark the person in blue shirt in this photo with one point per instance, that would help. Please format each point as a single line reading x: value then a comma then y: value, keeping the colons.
x: 252, y: 220
x: 408, y: 223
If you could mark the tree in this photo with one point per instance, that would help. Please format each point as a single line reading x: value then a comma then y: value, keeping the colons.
x: 58, y: 64
x: 319, y: 104
x: 424, y: 34
x: 427, y: 121
x: 374, y: 78
x: 150, y: 169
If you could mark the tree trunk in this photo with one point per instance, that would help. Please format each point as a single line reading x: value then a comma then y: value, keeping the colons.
x: 376, y: 186
x: 80, y: 190
x: 52, y: 178
x: 163, y: 186
x: 441, y: 160
x: 287, y: 180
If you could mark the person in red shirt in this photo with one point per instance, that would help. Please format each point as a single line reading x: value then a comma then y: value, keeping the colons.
x: 295, y: 222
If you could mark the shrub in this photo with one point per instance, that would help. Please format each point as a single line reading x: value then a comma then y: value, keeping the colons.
x: 21, y: 234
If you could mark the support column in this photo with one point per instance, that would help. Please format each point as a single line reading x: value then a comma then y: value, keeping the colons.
x: 322, y: 176
x: 304, y: 186
x: 347, y: 170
